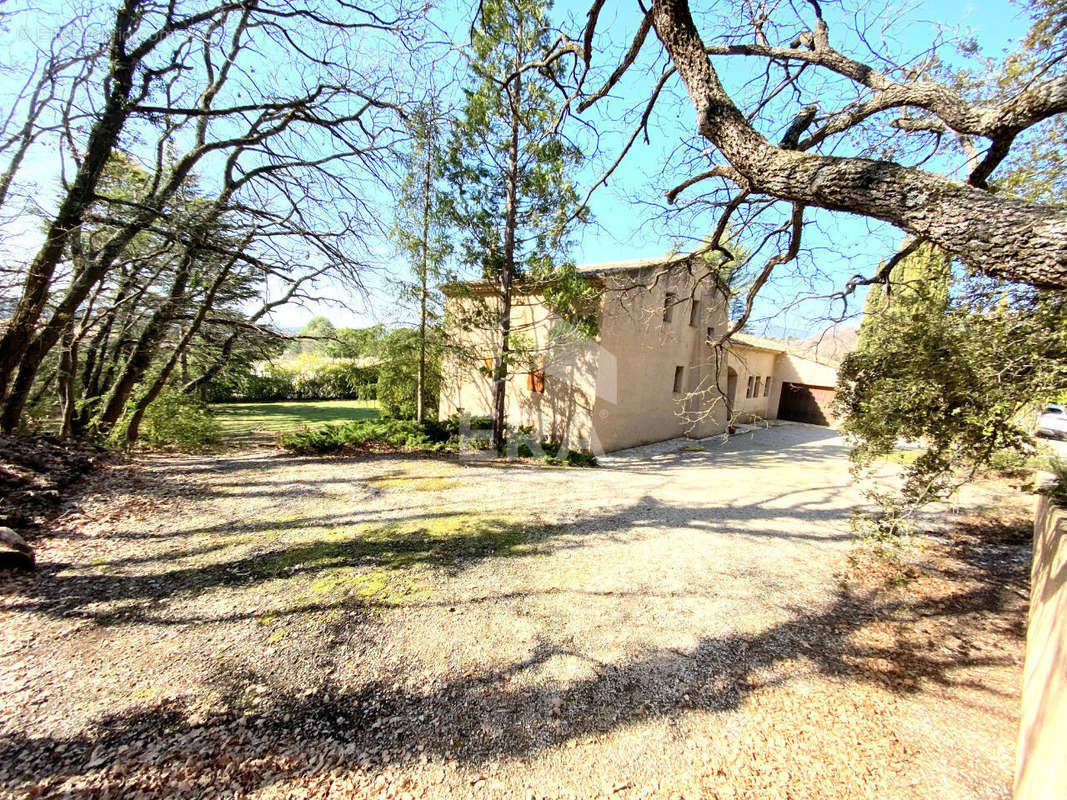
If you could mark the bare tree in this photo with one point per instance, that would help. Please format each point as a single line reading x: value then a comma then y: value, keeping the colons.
x: 992, y: 232
x: 189, y: 88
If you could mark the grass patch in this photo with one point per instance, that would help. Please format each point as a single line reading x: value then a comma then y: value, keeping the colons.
x: 415, y: 484
x: 239, y: 420
x: 378, y: 587
x: 387, y: 565
x: 903, y: 457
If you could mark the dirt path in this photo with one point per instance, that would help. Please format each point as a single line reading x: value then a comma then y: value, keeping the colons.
x: 677, y: 623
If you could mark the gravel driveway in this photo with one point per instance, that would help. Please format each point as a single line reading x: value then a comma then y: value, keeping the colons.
x: 679, y: 622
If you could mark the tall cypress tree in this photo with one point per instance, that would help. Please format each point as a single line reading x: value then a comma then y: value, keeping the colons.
x: 918, y: 286
x: 514, y: 199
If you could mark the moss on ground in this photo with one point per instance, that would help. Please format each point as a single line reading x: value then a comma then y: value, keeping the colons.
x: 415, y: 484
x: 387, y: 564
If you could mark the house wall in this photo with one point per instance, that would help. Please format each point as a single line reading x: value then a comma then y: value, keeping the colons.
x: 646, y: 350
x: 1041, y: 769
x: 563, y: 412
x: 616, y: 390
x: 797, y: 369
x: 752, y: 362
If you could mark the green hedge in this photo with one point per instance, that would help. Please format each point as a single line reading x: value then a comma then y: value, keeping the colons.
x: 395, y: 433
x: 430, y: 436
x: 302, y: 378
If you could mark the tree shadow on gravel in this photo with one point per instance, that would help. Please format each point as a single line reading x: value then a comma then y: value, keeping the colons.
x: 262, y: 733
x: 333, y: 544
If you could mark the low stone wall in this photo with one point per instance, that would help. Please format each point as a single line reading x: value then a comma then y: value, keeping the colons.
x: 1041, y: 760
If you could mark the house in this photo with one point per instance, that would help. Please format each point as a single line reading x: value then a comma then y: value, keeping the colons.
x: 650, y: 373
x: 767, y: 381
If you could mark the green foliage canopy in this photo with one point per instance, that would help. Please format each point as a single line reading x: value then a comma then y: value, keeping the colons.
x: 951, y: 366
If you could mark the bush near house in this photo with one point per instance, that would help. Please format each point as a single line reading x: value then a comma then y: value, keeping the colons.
x: 430, y: 436
x: 398, y: 373
x: 401, y: 434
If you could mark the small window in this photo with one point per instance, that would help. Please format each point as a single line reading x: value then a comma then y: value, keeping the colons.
x: 767, y: 386
x: 756, y: 388
x: 694, y: 314
x: 748, y: 389
x: 711, y: 335
x: 535, y: 381
x: 679, y: 373
x: 668, y: 306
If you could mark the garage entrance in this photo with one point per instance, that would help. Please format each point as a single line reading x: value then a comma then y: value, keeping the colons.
x: 803, y: 403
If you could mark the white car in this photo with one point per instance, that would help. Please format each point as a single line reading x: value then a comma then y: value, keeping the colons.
x: 1052, y: 422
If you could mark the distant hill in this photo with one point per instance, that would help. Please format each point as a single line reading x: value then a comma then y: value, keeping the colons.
x: 830, y: 346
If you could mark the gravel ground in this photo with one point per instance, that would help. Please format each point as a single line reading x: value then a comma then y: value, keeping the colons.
x: 686, y: 621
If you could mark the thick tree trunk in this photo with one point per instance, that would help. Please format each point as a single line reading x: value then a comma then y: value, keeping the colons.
x: 19, y: 336
x: 1000, y: 236
x: 134, y: 428
x: 68, y: 366
x: 506, y: 275
x: 420, y: 382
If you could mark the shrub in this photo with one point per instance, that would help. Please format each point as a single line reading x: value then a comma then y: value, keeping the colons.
x: 1010, y: 463
x: 396, y: 433
x: 175, y: 419
x: 305, y: 377
x: 1057, y: 491
x: 398, y: 373
x: 448, y: 430
x: 526, y: 446
x: 430, y: 436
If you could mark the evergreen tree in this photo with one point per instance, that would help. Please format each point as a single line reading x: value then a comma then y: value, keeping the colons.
x: 421, y: 232
x: 513, y: 197
x: 948, y: 363
x: 917, y: 286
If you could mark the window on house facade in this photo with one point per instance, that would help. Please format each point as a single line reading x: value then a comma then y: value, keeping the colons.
x: 694, y: 314
x: 711, y: 335
x: 535, y: 380
x: 767, y: 386
x: 679, y: 373
x: 756, y: 387
x: 668, y: 306
x: 748, y: 388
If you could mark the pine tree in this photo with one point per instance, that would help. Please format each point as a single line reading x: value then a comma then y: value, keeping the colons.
x: 421, y: 232
x: 510, y: 169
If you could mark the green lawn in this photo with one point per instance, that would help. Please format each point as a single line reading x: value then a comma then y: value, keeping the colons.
x: 261, y: 420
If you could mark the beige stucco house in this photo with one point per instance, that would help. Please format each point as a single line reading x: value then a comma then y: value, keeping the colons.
x: 767, y: 381
x: 650, y: 374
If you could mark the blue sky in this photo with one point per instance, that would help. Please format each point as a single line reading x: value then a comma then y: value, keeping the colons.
x: 840, y: 246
